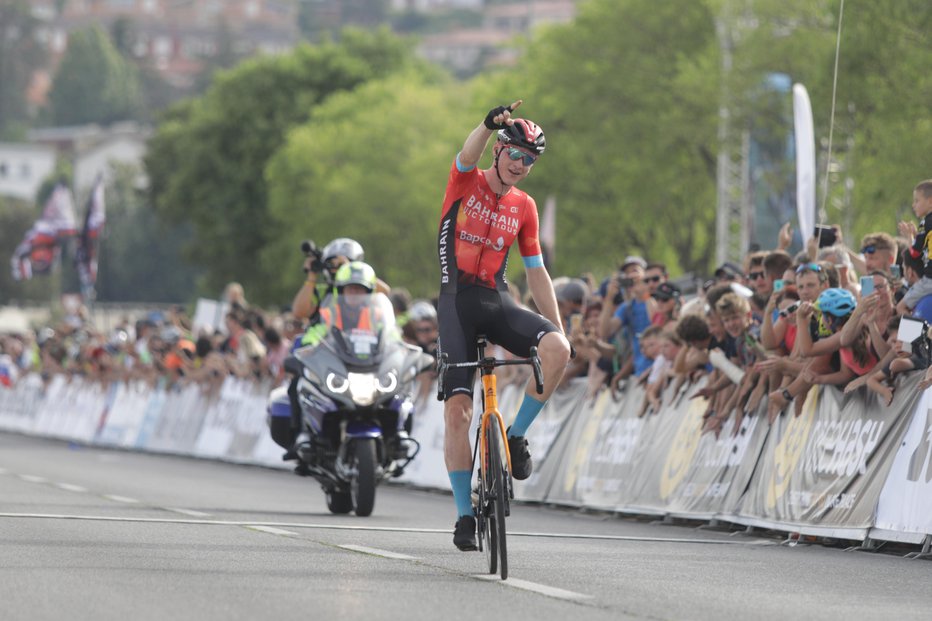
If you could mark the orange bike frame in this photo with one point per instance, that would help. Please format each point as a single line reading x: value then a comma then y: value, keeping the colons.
x: 491, y: 409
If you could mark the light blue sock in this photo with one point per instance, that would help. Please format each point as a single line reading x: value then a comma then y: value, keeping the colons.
x: 528, y: 411
x: 462, y: 494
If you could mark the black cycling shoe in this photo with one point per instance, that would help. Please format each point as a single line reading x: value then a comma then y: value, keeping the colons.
x: 464, y: 533
x: 521, y: 464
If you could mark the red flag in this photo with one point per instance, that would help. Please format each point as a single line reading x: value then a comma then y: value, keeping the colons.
x: 39, y: 250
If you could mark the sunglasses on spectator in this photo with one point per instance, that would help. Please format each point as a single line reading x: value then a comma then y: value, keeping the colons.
x: 810, y: 267
x: 755, y: 275
x: 650, y: 279
x: 424, y: 329
x: 869, y: 249
x: 517, y: 154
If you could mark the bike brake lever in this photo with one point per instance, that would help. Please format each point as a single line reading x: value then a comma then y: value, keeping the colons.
x: 538, y: 374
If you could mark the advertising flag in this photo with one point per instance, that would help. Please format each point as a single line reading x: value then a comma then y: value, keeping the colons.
x: 805, y: 162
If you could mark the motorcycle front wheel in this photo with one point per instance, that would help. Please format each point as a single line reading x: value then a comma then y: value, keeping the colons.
x: 363, y: 484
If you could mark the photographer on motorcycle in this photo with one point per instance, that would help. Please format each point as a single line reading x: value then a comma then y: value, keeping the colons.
x: 320, y: 267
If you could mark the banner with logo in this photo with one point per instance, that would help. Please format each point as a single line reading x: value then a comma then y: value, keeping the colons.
x: 547, y: 437
x: 826, y: 466
x: 704, y: 475
x: 906, y: 498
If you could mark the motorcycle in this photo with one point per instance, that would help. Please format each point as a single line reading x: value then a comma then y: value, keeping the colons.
x: 354, y: 390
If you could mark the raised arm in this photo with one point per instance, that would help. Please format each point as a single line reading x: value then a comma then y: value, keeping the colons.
x: 478, y: 138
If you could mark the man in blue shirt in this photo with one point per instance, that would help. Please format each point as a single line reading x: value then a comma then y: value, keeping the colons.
x: 633, y: 315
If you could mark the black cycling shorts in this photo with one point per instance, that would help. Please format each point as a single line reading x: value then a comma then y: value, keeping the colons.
x: 479, y: 310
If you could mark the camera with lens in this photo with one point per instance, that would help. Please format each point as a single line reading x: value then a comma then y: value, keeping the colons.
x: 311, y: 251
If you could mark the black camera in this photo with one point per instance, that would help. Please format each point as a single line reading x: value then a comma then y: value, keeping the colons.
x: 311, y: 251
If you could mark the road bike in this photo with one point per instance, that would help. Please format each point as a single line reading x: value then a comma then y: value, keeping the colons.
x: 495, y: 489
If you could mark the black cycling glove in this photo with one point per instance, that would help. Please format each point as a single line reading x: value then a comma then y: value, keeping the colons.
x: 494, y: 112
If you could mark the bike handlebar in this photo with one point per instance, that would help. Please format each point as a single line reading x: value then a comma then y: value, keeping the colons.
x: 487, y: 364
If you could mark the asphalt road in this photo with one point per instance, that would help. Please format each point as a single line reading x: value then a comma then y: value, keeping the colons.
x: 87, y: 533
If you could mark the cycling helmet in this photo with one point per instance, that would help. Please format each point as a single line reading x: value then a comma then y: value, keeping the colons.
x: 342, y: 247
x: 422, y: 310
x: 355, y: 273
x: 525, y: 134
x: 837, y: 302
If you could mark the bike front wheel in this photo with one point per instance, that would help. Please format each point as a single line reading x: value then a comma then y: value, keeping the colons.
x: 497, y: 493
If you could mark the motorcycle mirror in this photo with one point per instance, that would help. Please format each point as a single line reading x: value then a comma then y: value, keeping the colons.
x: 293, y: 365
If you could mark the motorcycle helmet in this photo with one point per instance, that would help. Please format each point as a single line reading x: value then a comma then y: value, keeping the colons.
x: 342, y: 247
x: 355, y: 273
x: 525, y: 134
x: 837, y: 302
x: 422, y: 310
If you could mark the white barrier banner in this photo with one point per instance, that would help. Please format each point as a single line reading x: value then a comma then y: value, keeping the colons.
x: 906, y: 498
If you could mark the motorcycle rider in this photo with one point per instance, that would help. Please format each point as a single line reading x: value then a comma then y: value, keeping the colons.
x: 321, y: 267
x: 349, y: 312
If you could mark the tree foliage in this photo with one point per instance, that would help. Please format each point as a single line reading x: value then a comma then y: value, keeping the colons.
x: 628, y: 98
x: 94, y: 84
x: 20, y: 55
x: 376, y: 177
x: 344, y: 139
x: 207, y: 161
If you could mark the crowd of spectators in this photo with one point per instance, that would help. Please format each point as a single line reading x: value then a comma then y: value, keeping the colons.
x: 767, y: 330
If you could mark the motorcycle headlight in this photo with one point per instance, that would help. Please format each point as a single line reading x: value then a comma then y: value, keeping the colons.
x: 337, y: 384
x: 362, y: 387
x: 388, y: 383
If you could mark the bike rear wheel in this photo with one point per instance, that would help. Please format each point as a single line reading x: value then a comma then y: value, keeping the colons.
x: 497, y: 488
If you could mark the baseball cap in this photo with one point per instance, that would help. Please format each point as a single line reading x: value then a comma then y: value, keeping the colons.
x: 575, y: 291
x: 667, y: 291
x: 633, y: 260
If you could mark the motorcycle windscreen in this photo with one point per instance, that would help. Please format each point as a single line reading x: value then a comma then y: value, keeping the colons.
x: 360, y: 324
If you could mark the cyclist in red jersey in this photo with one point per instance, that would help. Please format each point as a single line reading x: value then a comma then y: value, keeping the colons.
x: 483, y: 215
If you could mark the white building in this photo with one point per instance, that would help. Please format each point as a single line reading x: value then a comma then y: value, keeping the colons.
x: 23, y: 168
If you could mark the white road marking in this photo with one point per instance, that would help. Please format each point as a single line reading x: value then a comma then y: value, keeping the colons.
x: 69, y: 487
x: 31, y: 478
x: 542, y: 589
x: 125, y: 499
x: 190, y: 512
x: 386, y: 529
x: 271, y: 530
x: 377, y: 552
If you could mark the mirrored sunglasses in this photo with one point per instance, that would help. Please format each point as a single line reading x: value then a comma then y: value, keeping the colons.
x: 517, y: 154
x: 811, y: 267
x: 869, y: 249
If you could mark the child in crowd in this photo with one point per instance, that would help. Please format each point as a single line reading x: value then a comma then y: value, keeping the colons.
x: 735, y: 313
x: 922, y: 241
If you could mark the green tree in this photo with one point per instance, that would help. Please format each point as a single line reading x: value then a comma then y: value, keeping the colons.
x: 16, y: 217
x: 371, y: 164
x: 207, y: 160
x: 20, y: 55
x: 94, y: 83
x: 140, y: 257
x: 628, y: 97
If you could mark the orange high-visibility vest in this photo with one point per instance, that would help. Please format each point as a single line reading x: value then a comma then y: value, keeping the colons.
x: 364, y: 323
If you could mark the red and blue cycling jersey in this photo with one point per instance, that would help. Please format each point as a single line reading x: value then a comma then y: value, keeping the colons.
x: 478, y: 228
